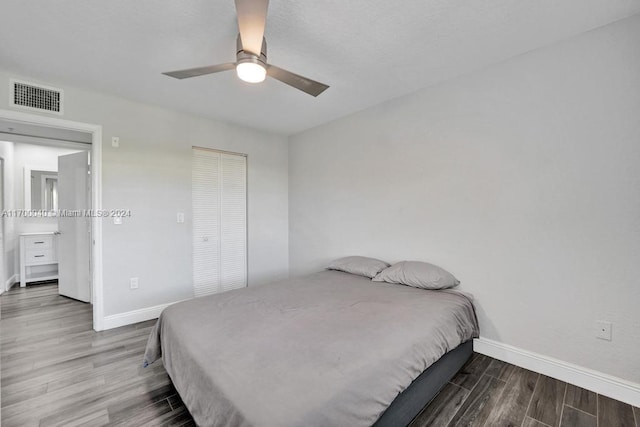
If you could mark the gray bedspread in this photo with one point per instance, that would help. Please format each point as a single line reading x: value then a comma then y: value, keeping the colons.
x: 329, y: 349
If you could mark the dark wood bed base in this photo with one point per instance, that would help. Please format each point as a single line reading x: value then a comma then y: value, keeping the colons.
x: 408, y: 404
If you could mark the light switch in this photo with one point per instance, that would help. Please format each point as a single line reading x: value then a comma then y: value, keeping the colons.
x: 180, y: 217
x: 115, y: 141
x: 117, y: 220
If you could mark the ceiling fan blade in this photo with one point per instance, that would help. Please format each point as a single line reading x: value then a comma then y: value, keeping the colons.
x: 200, y: 71
x: 304, y: 84
x: 252, y: 18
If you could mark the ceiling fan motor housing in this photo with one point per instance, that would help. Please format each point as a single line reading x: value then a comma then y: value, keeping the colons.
x: 243, y: 56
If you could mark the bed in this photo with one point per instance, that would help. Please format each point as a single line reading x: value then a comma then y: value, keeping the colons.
x: 328, y: 349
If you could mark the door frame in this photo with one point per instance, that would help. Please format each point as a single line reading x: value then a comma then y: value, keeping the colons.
x: 97, y: 290
x: 3, y: 281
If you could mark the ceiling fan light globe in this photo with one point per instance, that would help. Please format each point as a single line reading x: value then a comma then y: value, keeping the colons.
x: 251, y: 72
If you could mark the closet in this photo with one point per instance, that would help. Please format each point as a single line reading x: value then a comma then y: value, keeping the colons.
x: 219, y: 199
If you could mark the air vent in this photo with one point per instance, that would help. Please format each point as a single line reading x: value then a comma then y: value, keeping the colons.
x: 36, y: 97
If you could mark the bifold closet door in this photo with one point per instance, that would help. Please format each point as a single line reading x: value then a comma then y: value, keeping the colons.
x: 219, y: 197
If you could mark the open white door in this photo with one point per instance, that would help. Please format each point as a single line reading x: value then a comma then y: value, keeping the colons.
x: 74, y: 240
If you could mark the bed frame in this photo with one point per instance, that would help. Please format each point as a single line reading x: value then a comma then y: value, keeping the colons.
x: 408, y: 404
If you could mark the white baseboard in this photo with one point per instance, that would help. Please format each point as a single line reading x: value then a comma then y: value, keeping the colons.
x: 614, y: 387
x: 135, y: 316
x: 12, y: 281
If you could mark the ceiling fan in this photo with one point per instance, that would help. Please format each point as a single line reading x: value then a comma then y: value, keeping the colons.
x: 251, y: 57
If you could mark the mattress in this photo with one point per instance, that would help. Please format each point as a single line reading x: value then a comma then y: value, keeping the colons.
x: 328, y: 349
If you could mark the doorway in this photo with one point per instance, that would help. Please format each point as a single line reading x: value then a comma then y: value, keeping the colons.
x: 50, y: 210
x: 24, y: 125
x: 3, y: 282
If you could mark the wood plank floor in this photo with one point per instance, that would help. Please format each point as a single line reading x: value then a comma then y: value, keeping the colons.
x: 56, y: 371
x: 489, y: 392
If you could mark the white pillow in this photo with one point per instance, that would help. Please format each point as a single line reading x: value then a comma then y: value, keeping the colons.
x: 362, y: 266
x: 417, y: 274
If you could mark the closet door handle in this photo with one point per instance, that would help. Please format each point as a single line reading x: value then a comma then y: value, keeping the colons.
x: 38, y: 256
x: 38, y: 243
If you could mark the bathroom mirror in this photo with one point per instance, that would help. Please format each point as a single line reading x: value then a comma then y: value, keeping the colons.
x: 41, y: 189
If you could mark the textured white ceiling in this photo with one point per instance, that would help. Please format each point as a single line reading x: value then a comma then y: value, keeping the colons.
x: 368, y: 51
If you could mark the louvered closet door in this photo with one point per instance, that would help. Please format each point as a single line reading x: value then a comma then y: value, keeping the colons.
x: 233, y: 212
x: 219, y: 194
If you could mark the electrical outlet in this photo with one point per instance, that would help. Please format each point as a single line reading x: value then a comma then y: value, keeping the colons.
x: 603, y: 330
x: 133, y: 283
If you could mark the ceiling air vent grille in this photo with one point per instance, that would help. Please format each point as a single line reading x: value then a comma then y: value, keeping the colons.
x: 36, y: 97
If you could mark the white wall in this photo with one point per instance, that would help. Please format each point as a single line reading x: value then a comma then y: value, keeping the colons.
x: 151, y: 175
x: 522, y: 179
x: 8, y: 224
